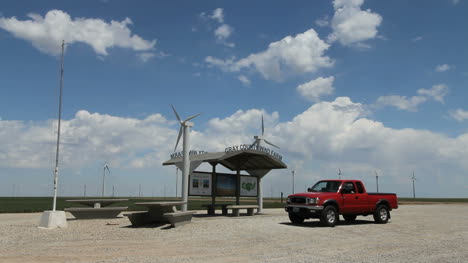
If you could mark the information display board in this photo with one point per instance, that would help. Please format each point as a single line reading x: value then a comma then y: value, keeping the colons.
x: 248, y: 186
x: 200, y: 184
x: 226, y: 185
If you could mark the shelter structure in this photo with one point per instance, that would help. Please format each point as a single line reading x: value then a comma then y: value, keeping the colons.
x: 255, y: 161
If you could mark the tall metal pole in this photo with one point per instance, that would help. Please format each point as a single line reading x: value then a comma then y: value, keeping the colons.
x: 103, y: 183
x: 414, y: 192
x: 293, y: 181
x: 58, y: 130
x: 377, y: 180
x: 84, y: 190
x: 186, y: 170
x: 177, y: 181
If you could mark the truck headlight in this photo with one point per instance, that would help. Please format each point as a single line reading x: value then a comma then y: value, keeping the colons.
x: 313, y: 201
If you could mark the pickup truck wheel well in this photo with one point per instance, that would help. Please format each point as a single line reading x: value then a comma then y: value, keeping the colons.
x: 332, y: 203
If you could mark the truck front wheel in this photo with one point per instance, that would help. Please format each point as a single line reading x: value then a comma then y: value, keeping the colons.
x: 381, y: 214
x: 295, y: 219
x: 329, y: 216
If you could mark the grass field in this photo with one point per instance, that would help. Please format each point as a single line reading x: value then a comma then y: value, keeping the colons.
x: 39, y: 204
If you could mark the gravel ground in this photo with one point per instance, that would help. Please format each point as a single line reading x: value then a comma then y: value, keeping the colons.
x: 416, y: 233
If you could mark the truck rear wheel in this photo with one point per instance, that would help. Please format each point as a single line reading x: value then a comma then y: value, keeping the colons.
x: 295, y: 219
x: 329, y: 216
x: 381, y: 214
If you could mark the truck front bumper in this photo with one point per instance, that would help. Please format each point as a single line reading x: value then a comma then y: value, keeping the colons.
x: 303, y: 208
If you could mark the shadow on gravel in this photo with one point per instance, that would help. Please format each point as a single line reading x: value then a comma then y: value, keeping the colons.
x: 166, y: 226
x: 316, y: 223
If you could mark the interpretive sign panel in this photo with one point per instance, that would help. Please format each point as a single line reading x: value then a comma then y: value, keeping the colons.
x: 248, y: 186
x: 225, y: 185
x: 200, y: 184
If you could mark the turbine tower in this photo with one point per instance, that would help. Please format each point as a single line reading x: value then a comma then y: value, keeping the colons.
x: 185, y: 130
x: 377, y: 180
x: 106, y: 167
x: 339, y: 173
x: 413, y: 179
x: 260, y: 139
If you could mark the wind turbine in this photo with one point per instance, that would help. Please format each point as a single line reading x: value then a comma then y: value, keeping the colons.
x: 377, y: 180
x: 106, y: 167
x: 260, y: 139
x: 185, y: 130
x: 339, y: 173
x: 413, y: 179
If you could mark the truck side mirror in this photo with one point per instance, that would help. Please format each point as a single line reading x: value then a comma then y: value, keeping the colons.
x: 309, y: 189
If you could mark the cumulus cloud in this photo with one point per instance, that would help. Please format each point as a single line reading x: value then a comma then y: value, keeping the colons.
x: 302, y: 53
x: 442, y: 68
x: 437, y: 92
x: 223, y: 31
x: 316, y: 88
x: 327, y: 135
x: 244, y: 80
x: 459, y: 115
x: 46, y: 33
x: 351, y: 25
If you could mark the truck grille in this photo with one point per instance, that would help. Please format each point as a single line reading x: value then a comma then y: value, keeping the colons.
x: 298, y: 200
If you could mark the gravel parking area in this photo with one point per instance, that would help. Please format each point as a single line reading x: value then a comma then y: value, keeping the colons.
x: 416, y: 233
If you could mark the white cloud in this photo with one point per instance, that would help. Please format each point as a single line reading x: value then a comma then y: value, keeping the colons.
x: 437, y: 92
x: 302, y: 53
x: 442, y: 68
x: 316, y: 88
x: 322, y: 22
x: 351, y: 25
x: 223, y: 32
x: 146, y: 56
x: 418, y: 38
x: 244, y: 80
x: 323, y: 137
x: 218, y: 15
x: 46, y: 33
x: 455, y: 2
x: 401, y: 102
x: 459, y: 115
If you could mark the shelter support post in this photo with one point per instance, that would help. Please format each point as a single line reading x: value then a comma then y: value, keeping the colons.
x: 213, y: 186
x: 260, y: 196
x: 238, y: 186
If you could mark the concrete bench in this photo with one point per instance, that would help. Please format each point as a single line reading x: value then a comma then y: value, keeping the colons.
x: 236, y: 208
x: 95, y: 213
x: 179, y: 218
x: 210, y: 208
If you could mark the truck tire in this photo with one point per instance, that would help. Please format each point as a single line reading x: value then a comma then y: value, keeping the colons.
x: 295, y: 219
x: 381, y: 214
x: 329, y: 216
x: 349, y: 218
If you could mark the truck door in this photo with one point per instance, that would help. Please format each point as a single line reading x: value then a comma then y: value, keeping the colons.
x: 349, y: 200
x: 355, y: 200
x: 362, y: 199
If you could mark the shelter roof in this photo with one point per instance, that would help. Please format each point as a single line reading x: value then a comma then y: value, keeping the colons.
x: 248, y: 160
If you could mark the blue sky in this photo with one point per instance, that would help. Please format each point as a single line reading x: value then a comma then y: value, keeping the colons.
x: 359, y: 85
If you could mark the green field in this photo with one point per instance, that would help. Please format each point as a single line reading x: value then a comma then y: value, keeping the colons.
x: 39, y: 204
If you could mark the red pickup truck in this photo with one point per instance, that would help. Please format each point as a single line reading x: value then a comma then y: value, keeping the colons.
x: 328, y: 199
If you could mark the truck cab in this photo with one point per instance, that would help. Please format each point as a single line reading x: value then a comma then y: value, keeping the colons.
x: 327, y: 199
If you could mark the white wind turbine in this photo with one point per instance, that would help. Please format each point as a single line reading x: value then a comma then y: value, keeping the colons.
x: 260, y: 139
x: 339, y: 173
x: 106, y: 167
x: 185, y: 130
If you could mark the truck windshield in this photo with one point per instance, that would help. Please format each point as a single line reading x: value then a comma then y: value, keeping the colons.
x: 326, y: 186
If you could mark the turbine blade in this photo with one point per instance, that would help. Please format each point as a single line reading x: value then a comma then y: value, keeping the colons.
x: 253, y: 144
x: 263, y: 127
x: 178, y: 138
x: 191, y: 117
x: 177, y: 115
x: 271, y: 144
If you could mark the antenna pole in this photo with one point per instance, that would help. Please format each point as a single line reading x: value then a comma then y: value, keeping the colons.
x: 58, y: 131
